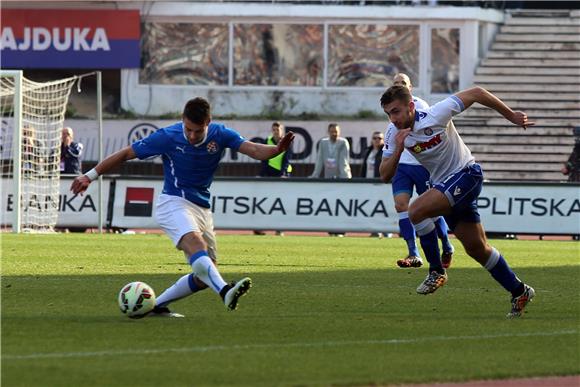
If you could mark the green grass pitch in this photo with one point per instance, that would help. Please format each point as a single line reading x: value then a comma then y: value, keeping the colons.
x: 323, y: 311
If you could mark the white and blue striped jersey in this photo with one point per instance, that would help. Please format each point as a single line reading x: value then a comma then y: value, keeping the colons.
x: 188, y: 169
x: 406, y: 156
x: 434, y: 141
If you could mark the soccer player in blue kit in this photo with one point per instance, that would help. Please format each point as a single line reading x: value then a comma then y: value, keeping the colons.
x: 410, y: 173
x: 456, y: 179
x: 191, y: 151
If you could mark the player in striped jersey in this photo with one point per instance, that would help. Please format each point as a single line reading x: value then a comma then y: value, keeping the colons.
x: 457, y: 181
x: 410, y: 173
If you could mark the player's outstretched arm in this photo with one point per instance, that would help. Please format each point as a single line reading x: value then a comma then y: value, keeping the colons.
x: 82, y: 182
x: 266, y: 152
x: 484, y: 97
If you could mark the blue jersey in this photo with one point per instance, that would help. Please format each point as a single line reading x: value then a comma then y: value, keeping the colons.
x: 188, y: 169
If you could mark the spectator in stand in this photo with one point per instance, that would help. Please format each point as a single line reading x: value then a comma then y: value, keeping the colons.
x: 333, y: 158
x: 277, y: 166
x: 572, y: 166
x: 373, y: 157
x: 371, y: 163
x: 70, y: 153
x: 30, y: 151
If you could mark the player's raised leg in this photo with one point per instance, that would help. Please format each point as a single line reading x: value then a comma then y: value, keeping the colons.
x: 204, y: 268
x: 190, y: 227
x: 472, y: 236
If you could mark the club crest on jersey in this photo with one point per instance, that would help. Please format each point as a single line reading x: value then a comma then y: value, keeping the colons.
x: 212, y: 147
x: 423, y: 146
x: 420, y: 115
x: 428, y: 131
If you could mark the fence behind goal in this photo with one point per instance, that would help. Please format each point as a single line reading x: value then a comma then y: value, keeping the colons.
x: 30, y: 146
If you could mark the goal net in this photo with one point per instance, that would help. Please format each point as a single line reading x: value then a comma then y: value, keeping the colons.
x: 30, y: 138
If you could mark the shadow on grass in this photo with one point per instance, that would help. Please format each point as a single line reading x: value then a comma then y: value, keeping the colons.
x: 469, y: 290
x: 293, y: 328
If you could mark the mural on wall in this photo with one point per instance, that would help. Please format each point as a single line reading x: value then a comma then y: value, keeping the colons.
x: 368, y: 55
x: 359, y: 55
x: 444, y: 60
x: 184, y: 54
x: 278, y: 54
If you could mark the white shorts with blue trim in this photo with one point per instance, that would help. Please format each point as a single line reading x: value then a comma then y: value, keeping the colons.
x: 178, y: 216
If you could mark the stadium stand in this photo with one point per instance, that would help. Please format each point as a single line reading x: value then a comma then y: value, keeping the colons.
x: 533, y: 65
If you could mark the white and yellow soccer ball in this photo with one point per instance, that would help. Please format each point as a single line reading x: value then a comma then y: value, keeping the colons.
x: 136, y: 299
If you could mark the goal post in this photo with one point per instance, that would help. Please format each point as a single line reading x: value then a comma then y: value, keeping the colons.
x: 11, y: 107
x: 33, y: 116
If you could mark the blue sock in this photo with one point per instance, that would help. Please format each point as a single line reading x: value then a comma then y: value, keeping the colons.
x: 185, y: 286
x: 502, y: 273
x: 430, y: 244
x: 408, y: 233
x: 443, y: 233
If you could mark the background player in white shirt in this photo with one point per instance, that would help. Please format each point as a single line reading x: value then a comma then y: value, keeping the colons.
x: 191, y: 151
x: 411, y: 174
x: 457, y: 181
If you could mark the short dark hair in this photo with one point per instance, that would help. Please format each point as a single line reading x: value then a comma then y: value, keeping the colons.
x: 197, y: 110
x: 394, y: 93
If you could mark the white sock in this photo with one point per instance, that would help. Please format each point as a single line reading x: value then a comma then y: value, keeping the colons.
x: 424, y: 227
x: 206, y: 271
x: 184, y: 287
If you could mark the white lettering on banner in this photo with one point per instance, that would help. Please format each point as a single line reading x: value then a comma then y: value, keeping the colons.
x: 100, y: 40
x: 79, y: 39
x: 7, y: 40
x: 41, y: 39
x: 65, y: 44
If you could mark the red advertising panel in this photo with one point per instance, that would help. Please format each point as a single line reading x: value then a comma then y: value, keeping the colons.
x: 35, y: 38
x: 139, y: 201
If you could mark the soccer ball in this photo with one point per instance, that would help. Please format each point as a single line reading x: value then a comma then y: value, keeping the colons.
x: 136, y: 299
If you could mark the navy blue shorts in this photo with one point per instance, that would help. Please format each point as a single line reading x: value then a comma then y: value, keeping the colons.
x: 462, y: 190
x: 408, y: 176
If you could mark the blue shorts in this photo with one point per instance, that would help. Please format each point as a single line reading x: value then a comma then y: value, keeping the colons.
x: 408, y: 176
x: 462, y: 190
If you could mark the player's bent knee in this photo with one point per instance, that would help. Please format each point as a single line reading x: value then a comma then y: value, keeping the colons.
x: 199, y: 283
x: 191, y: 243
x: 476, y: 250
x: 401, y: 207
x: 416, y: 215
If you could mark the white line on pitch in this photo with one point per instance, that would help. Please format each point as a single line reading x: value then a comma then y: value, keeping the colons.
x: 52, y: 355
